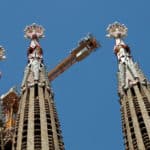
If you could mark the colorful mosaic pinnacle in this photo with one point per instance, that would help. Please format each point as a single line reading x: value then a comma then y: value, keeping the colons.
x: 117, y: 30
x: 33, y: 31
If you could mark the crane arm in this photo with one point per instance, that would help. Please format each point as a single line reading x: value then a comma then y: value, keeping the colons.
x: 84, y: 48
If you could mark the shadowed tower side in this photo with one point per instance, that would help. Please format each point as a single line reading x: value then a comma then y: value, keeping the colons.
x: 134, y: 93
x: 37, y: 126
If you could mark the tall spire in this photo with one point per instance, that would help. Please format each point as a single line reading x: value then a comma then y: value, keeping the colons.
x: 37, y: 126
x: 129, y: 73
x: 134, y: 93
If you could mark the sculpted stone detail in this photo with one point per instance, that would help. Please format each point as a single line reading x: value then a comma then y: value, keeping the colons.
x: 128, y: 73
x: 35, y: 65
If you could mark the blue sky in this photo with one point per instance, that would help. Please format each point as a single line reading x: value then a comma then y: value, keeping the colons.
x: 86, y: 94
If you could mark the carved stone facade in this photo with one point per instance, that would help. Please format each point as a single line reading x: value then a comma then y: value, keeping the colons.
x: 37, y: 125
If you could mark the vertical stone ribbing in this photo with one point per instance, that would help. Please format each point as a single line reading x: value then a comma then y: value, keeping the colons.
x: 132, y: 139
x: 30, y: 132
x: 142, y: 106
x: 137, y: 108
x: 58, y: 131
x: 147, y: 105
x: 48, y: 117
x: 20, y: 119
x: 137, y: 103
x: 25, y: 122
x: 38, y: 127
x: 55, y: 126
x: 126, y: 125
x: 44, y: 133
x: 137, y: 133
x: 131, y: 131
x: 146, y: 92
x: 37, y: 124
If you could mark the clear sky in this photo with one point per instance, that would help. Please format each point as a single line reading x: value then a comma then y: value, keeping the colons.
x: 86, y: 94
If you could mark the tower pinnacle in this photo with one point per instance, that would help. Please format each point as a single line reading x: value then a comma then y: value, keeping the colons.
x: 117, y: 31
x: 128, y: 73
x: 33, y: 31
x: 134, y: 93
x: 35, y: 54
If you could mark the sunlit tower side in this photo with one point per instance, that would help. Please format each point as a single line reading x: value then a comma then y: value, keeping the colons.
x: 134, y: 93
x: 9, y: 108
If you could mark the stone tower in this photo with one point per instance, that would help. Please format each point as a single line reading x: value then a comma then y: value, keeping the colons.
x: 134, y: 93
x: 28, y: 119
x: 37, y: 126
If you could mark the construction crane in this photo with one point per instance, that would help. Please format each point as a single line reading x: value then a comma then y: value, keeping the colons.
x: 84, y: 48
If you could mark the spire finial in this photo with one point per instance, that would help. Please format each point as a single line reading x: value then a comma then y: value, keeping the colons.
x: 2, y: 53
x: 34, y: 31
x: 117, y: 30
